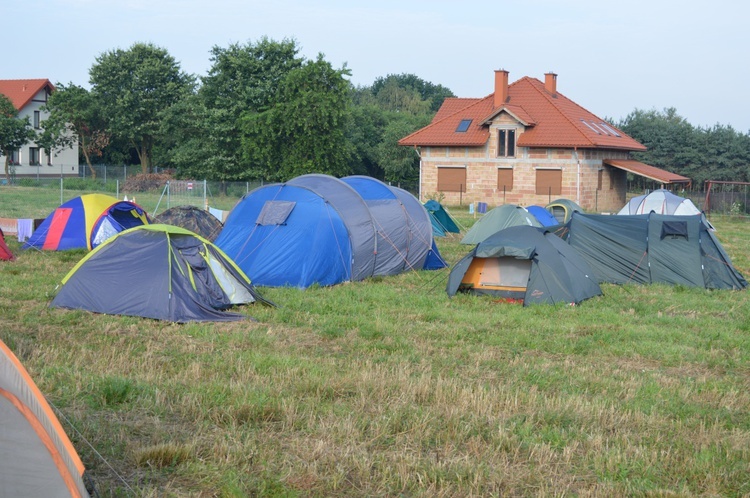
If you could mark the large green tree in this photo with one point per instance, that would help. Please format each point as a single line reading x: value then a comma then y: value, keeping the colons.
x: 135, y: 88
x: 304, y: 129
x: 206, y: 129
x: 75, y: 114
x: 14, y: 131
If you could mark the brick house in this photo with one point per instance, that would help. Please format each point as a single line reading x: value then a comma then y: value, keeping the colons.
x: 28, y: 96
x: 526, y: 144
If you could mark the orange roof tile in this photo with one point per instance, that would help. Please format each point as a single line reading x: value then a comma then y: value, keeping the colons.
x: 20, y: 92
x: 642, y: 169
x: 552, y: 120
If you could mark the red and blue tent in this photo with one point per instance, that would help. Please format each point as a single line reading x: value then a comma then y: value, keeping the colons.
x: 85, y: 222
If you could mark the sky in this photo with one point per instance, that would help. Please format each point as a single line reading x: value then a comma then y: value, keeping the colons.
x: 610, y: 57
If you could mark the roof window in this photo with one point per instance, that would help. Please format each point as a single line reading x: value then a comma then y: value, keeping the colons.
x: 463, y: 126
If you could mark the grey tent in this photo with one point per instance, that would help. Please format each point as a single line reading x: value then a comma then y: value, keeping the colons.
x: 563, y: 209
x: 193, y: 218
x: 403, y: 227
x: 527, y: 263
x: 157, y: 271
x: 496, y: 219
x: 652, y: 248
x: 37, y: 456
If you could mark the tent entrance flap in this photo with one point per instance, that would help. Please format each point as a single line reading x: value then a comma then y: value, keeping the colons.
x: 503, y: 274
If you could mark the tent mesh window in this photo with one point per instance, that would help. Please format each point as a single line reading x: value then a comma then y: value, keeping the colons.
x: 275, y: 212
x: 674, y: 230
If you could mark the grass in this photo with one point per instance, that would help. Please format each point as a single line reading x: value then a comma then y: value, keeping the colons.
x: 389, y: 388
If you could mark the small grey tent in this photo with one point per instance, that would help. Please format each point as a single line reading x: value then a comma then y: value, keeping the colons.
x: 507, y: 215
x: 526, y: 263
x: 650, y: 248
x: 157, y: 271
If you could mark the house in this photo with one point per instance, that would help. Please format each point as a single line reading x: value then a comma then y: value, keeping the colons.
x: 28, y: 96
x: 527, y: 144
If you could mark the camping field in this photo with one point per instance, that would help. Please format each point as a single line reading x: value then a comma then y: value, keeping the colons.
x: 387, y: 387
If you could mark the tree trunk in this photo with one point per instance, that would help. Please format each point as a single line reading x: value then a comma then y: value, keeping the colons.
x: 7, y: 168
x: 85, y: 151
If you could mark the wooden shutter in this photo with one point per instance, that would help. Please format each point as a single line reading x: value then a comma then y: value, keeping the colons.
x: 549, y: 181
x: 451, y: 180
x: 504, y: 179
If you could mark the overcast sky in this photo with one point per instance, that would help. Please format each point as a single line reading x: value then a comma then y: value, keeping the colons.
x: 610, y: 58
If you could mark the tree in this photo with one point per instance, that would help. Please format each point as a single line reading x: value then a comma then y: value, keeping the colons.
x: 304, y: 130
x: 14, y: 132
x: 207, y: 130
x: 432, y: 94
x: 400, y: 164
x: 75, y: 113
x: 135, y: 87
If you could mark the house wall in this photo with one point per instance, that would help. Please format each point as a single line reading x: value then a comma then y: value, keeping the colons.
x: 482, y: 164
x: 63, y: 162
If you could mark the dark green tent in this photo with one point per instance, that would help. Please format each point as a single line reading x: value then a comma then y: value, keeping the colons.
x: 651, y: 248
x: 157, y: 271
x: 507, y: 215
x: 527, y: 263
x: 563, y: 209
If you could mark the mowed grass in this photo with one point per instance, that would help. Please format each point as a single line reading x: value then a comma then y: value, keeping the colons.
x: 389, y: 388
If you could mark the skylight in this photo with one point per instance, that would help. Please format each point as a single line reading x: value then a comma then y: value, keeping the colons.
x: 463, y: 125
x: 601, y: 128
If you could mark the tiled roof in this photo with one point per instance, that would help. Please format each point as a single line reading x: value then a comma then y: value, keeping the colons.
x: 552, y: 120
x: 646, y: 170
x: 20, y: 92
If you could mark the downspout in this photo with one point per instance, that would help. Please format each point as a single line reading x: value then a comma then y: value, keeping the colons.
x: 578, y: 176
x: 419, y: 188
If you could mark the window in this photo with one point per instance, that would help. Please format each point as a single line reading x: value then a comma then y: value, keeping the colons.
x: 34, y: 156
x: 15, y: 157
x: 451, y: 180
x: 506, y: 143
x: 463, y: 126
x: 504, y: 179
x: 549, y: 181
x: 36, y: 120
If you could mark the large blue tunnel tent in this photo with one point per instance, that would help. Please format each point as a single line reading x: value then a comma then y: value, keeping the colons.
x: 317, y: 229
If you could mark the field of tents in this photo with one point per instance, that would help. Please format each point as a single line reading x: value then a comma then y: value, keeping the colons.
x: 385, y: 385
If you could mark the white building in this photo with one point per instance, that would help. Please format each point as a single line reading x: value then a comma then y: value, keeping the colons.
x: 28, y: 96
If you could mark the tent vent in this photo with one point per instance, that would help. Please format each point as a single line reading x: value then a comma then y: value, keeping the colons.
x: 275, y: 212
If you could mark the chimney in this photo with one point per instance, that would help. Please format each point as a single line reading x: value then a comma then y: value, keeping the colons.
x: 501, y: 87
x: 550, y: 83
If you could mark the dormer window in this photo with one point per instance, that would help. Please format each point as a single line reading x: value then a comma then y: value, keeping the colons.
x: 506, y: 143
x: 463, y: 126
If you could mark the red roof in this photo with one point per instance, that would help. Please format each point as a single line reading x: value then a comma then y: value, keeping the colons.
x: 20, y: 92
x: 652, y: 172
x: 551, y: 120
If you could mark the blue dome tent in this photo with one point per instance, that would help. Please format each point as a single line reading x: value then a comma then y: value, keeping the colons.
x: 317, y: 229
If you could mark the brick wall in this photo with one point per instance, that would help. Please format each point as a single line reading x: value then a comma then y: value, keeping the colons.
x: 481, y: 175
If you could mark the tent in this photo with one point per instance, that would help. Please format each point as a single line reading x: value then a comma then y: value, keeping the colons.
x: 193, y: 218
x: 650, y: 248
x: 563, y: 209
x: 5, y: 252
x: 317, y: 229
x: 157, y: 271
x: 528, y: 263
x: 543, y: 216
x: 442, y: 222
x: 660, y: 201
x: 38, y: 457
x: 85, y: 222
x: 496, y: 219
